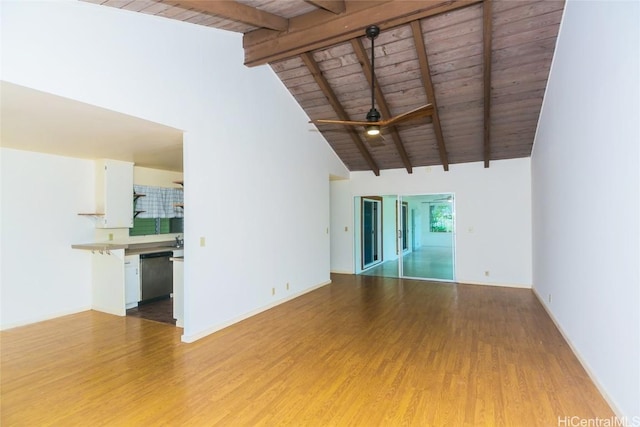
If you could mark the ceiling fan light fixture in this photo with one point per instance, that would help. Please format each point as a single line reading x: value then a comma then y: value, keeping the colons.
x: 373, y: 116
x: 373, y: 130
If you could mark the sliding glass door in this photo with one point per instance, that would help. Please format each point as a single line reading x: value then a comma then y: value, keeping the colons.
x: 371, y: 231
x: 406, y: 236
x: 430, y: 230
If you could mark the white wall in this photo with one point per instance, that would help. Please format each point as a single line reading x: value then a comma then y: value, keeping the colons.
x: 257, y: 180
x: 586, y: 195
x: 342, y: 228
x: 41, y: 276
x: 493, y: 216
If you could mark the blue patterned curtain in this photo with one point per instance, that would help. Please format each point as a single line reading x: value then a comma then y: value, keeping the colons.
x: 159, y: 202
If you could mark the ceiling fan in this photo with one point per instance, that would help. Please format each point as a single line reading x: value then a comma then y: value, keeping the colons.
x: 373, y: 124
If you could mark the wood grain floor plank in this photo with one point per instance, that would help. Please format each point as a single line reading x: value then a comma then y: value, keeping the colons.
x: 364, y: 351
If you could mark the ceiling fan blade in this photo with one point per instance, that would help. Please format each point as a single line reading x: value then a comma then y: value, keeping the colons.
x: 344, y: 122
x: 424, y: 111
x: 416, y: 113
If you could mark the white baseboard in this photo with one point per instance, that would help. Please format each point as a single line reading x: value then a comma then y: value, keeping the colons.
x: 43, y: 318
x: 501, y: 285
x: 582, y: 361
x: 119, y: 312
x: 341, y: 272
x: 194, y: 337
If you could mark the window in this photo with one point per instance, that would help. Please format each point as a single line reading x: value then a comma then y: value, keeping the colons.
x: 146, y: 226
x: 440, y: 218
x: 157, y: 210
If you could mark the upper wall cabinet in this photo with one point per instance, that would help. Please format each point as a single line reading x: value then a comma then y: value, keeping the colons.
x: 114, y: 189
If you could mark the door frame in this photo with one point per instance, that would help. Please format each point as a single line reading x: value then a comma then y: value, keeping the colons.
x: 402, y: 232
x: 379, y: 233
x: 399, y: 232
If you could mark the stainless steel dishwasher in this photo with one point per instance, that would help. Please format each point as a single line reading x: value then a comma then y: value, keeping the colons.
x: 156, y: 275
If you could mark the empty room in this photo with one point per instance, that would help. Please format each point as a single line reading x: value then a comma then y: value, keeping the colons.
x: 320, y: 213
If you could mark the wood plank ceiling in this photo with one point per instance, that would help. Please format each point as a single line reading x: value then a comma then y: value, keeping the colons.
x: 482, y: 64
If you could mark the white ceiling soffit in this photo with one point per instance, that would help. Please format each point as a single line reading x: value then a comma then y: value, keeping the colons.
x: 37, y: 121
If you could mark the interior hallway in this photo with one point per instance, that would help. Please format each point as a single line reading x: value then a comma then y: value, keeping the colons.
x: 361, y: 351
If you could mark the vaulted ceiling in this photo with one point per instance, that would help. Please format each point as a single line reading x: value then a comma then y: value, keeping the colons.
x: 482, y: 65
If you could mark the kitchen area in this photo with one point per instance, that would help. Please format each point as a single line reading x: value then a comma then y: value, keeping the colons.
x: 153, y: 282
x: 138, y: 255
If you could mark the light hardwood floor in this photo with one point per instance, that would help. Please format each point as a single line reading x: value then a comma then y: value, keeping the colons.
x: 423, y: 263
x: 363, y: 351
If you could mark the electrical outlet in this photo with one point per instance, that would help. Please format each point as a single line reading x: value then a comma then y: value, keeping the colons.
x: 346, y: 228
x: 549, y: 298
x: 110, y: 236
x: 287, y: 285
x: 486, y: 273
x: 273, y: 291
x: 202, y: 242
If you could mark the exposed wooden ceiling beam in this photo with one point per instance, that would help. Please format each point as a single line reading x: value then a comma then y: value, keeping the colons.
x: 320, y: 28
x: 425, y: 72
x: 382, y: 103
x: 236, y: 12
x: 334, y: 6
x: 486, y: 61
x: 311, y: 64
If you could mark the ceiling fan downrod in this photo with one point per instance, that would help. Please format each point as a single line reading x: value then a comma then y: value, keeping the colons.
x: 373, y: 115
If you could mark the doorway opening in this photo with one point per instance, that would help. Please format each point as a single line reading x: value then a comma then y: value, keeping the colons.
x: 419, y: 237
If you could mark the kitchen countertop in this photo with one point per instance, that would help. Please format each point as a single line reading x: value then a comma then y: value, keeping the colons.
x: 130, y: 248
x: 103, y: 246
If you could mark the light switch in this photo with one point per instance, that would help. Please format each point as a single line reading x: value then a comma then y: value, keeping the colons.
x: 346, y: 228
x: 202, y: 242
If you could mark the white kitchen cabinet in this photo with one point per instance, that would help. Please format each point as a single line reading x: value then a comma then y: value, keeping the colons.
x: 114, y: 194
x: 107, y: 284
x: 132, y: 289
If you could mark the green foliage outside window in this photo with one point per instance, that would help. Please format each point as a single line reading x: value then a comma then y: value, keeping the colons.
x: 441, y: 218
x: 146, y: 226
